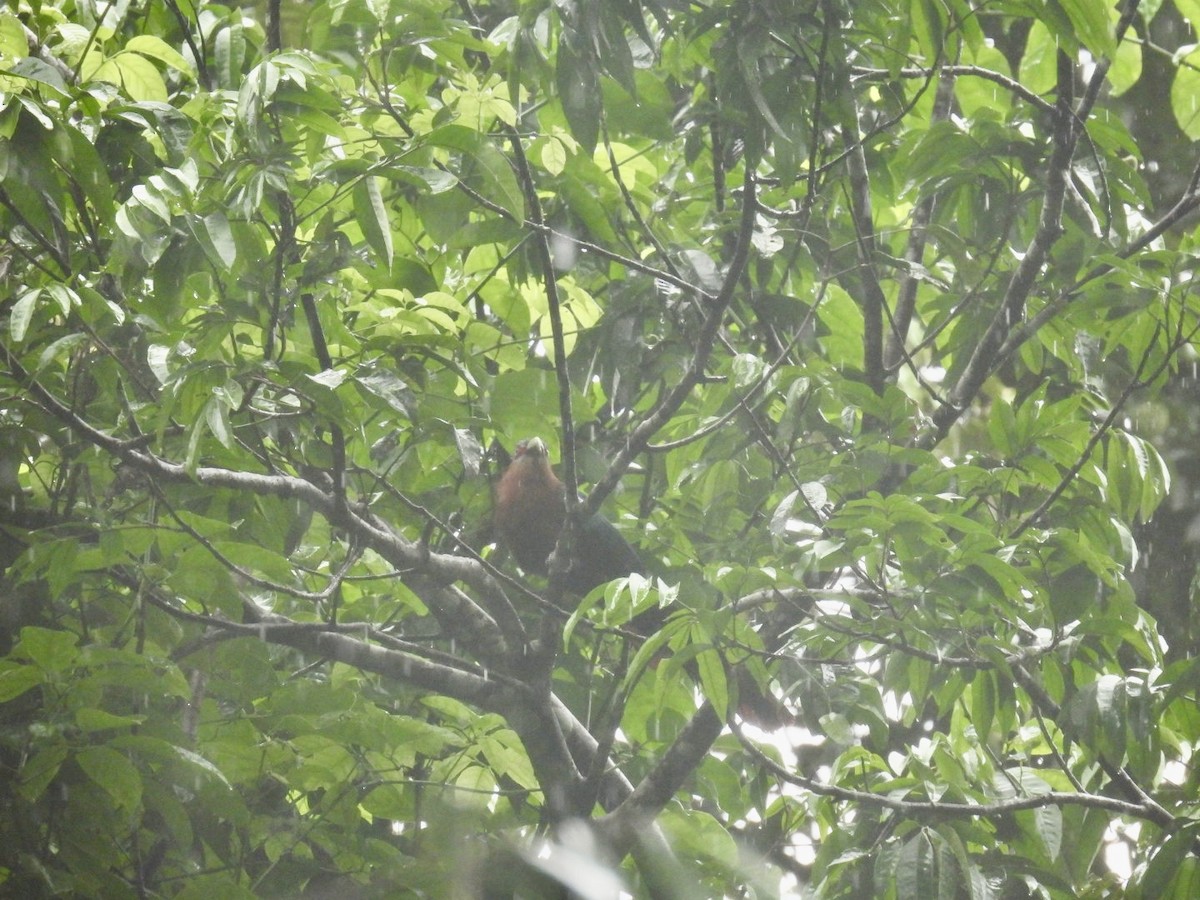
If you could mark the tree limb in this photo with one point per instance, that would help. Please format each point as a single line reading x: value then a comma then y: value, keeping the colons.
x: 674, y: 398
x: 620, y: 828
x: 1021, y: 284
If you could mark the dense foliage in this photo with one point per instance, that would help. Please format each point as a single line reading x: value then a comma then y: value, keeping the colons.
x: 860, y: 320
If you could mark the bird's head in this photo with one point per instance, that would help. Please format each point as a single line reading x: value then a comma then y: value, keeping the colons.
x: 532, y: 448
x: 531, y: 464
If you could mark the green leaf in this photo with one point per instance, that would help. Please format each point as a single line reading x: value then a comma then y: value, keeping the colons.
x: 475, y: 787
x: 1126, y: 69
x: 750, y: 47
x: 16, y: 679
x: 578, y: 87
x: 437, y: 180
x: 372, y: 217
x: 99, y: 720
x: 216, y: 237
x: 36, y: 70
x: 154, y: 47
x: 393, y: 390
x: 256, y: 93
x: 1165, y: 865
x: 89, y: 171
x: 113, y: 772
x: 388, y: 801
x: 136, y: 74
x: 66, y: 298
x: 839, y: 729
x: 713, y: 680
x: 216, y: 416
x: 42, y: 767
x: 492, y: 176
x: 650, y: 650
x: 505, y: 754
x: 983, y: 704
x: 330, y: 378
x: 199, y: 762
x: 1092, y: 25
x: 1098, y: 713
x: 554, y: 156
x: 697, y: 835
x: 229, y: 50
x: 843, y: 322
x: 926, y: 868
x: 195, y: 434
x: 12, y: 37
x: 928, y: 24
x: 22, y: 314
x: 1048, y: 829
x: 1185, y: 87
x: 49, y: 649
x: 259, y: 560
x: 1039, y: 66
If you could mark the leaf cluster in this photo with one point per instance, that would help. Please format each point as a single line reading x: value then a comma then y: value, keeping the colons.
x: 844, y: 314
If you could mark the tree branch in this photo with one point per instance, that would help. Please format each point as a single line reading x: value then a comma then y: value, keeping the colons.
x: 620, y: 829
x: 919, y: 808
x: 1135, y: 384
x: 1012, y: 306
x: 1147, y: 807
x: 429, y: 572
x: 674, y: 398
x: 918, y: 235
x: 872, y: 300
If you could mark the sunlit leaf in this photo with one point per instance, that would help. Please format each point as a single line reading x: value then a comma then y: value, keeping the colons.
x: 373, y: 218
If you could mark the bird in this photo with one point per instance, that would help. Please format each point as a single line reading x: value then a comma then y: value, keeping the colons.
x: 529, y: 512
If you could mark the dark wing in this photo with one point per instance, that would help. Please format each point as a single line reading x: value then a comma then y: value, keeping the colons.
x: 600, y: 555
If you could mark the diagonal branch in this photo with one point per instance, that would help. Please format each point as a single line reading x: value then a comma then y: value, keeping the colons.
x: 337, y: 438
x: 1185, y: 206
x: 620, y: 829
x: 1153, y: 812
x: 549, y: 732
x: 337, y: 643
x: 428, y: 572
x: 1136, y: 383
x: 1012, y: 306
x: 1148, y: 807
x: 872, y: 300
x: 675, y: 398
x: 922, y: 215
x: 562, y: 376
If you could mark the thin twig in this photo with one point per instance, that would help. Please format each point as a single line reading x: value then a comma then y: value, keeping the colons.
x: 674, y: 398
x: 928, y: 807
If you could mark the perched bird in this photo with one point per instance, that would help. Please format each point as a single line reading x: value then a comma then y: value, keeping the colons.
x: 530, y: 508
